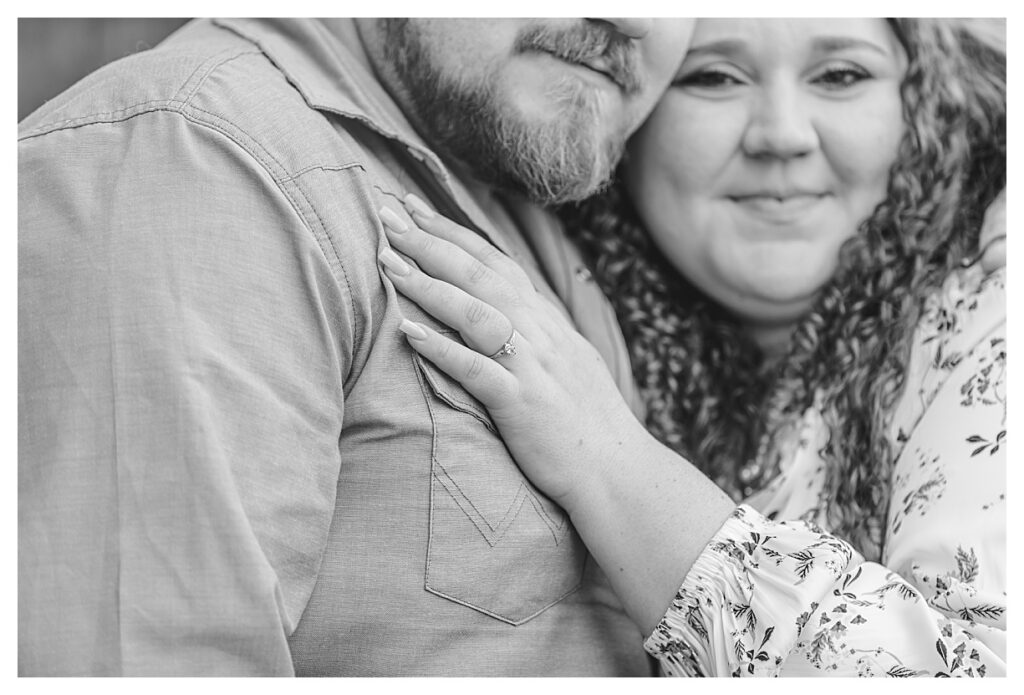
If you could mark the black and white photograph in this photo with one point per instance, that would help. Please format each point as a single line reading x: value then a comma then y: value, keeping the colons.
x: 470, y: 347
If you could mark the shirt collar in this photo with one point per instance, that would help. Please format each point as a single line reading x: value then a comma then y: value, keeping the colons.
x: 332, y: 72
x: 330, y: 69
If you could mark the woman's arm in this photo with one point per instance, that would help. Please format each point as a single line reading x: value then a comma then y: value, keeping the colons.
x: 788, y: 598
x: 761, y: 597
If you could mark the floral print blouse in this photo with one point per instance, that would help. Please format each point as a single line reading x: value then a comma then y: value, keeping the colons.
x: 769, y: 598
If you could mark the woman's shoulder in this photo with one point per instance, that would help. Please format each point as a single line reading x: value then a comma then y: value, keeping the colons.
x: 969, y: 304
x: 947, y: 512
x: 965, y: 315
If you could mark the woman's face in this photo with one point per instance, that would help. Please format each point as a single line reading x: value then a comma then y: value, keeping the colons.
x: 773, y: 144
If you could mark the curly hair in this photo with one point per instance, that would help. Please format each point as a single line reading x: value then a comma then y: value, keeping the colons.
x: 710, y: 393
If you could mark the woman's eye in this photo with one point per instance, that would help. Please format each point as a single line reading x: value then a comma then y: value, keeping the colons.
x: 708, y: 78
x: 841, y: 77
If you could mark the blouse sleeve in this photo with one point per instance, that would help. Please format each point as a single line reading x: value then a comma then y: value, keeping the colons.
x: 786, y: 598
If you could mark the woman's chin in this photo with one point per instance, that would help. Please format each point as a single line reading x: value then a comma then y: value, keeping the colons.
x: 774, y: 309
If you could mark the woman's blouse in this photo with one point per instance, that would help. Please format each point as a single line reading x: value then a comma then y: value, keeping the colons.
x: 769, y: 598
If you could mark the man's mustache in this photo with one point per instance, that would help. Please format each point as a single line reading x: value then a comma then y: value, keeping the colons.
x: 587, y: 44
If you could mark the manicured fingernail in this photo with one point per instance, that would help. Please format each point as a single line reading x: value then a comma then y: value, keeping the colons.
x: 393, y: 262
x: 393, y: 221
x: 418, y: 206
x: 413, y: 330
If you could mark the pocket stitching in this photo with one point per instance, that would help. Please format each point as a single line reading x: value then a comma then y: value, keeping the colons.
x: 498, y: 616
x: 557, y: 530
x: 517, y: 503
x: 458, y: 403
x: 421, y: 377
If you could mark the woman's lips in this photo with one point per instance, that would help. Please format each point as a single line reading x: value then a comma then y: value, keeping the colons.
x: 780, y: 209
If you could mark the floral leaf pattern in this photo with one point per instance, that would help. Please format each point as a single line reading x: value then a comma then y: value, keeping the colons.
x: 936, y: 606
x: 966, y: 564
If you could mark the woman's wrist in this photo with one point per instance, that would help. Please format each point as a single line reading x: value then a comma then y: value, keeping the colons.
x: 646, y: 514
x: 597, y: 475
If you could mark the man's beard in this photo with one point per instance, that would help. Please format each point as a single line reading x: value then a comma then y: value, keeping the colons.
x: 560, y: 159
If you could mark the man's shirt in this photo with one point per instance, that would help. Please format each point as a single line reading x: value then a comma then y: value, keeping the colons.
x: 230, y: 461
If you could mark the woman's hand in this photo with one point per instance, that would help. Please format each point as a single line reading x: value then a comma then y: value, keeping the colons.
x: 550, y: 393
x: 644, y: 512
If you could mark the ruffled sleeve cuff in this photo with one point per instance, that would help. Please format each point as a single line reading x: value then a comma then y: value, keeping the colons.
x: 747, y: 597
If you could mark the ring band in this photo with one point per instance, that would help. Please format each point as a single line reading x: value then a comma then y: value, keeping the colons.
x: 508, y: 349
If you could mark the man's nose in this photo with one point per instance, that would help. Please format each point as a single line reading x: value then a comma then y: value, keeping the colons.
x: 630, y: 27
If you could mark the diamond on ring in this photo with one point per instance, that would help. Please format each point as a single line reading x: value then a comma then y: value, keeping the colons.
x: 508, y: 349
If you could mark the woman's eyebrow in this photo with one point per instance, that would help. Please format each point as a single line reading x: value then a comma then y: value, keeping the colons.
x: 824, y: 44
x: 821, y: 44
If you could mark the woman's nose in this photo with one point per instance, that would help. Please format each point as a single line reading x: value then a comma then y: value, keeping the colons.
x: 630, y: 27
x: 780, y: 125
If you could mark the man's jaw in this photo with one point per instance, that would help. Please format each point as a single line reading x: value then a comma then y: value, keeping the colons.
x: 550, y: 160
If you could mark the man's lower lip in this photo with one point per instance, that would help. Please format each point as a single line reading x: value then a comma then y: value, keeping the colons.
x: 586, y: 68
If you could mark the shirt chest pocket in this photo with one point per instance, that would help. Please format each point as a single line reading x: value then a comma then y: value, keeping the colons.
x: 496, y: 544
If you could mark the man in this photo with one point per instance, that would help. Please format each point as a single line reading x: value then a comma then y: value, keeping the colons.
x: 230, y: 460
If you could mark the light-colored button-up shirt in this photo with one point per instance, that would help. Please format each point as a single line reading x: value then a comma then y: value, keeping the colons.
x: 230, y: 461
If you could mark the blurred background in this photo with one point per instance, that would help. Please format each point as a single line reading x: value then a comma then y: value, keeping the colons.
x: 53, y: 54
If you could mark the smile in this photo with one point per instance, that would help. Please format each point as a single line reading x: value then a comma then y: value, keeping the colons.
x: 780, y: 210
x: 595, y: 69
x: 598, y: 65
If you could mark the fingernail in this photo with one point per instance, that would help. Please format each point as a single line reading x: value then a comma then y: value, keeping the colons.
x: 393, y: 221
x: 413, y: 330
x: 393, y: 262
x: 418, y: 206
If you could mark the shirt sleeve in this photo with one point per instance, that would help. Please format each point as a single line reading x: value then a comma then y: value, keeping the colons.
x: 786, y: 598
x: 182, y: 348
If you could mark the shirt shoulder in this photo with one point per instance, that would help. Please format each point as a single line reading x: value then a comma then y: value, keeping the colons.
x: 210, y: 77
x: 164, y: 77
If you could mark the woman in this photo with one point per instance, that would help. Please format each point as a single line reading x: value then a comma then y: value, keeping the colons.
x: 812, y: 328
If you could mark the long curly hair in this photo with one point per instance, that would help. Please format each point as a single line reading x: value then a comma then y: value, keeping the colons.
x: 709, y: 392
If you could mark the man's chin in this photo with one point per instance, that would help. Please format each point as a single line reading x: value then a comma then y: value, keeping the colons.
x: 576, y: 177
x: 561, y: 160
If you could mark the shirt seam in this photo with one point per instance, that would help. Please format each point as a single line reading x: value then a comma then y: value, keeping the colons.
x: 281, y: 178
x: 292, y: 178
x: 105, y: 117
x: 211, y: 64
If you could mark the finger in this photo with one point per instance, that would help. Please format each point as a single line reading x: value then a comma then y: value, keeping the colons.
x: 994, y: 223
x: 484, y: 378
x: 993, y: 235
x: 451, y: 263
x: 993, y: 255
x: 483, y: 327
x: 468, y: 240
